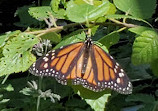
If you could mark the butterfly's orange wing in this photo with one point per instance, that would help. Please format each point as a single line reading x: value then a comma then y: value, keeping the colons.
x: 104, y: 72
x: 60, y: 63
x: 67, y: 63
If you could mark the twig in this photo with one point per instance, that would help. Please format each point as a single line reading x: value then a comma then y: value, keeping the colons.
x: 124, y: 24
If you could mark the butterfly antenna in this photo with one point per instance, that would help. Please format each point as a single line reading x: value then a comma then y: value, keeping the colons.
x: 88, y: 33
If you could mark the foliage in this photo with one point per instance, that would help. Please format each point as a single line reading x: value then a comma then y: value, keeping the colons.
x: 121, y: 27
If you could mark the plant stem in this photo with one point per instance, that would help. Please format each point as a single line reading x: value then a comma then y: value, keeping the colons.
x: 38, y: 103
x: 39, y: 88
x: 59, y: 28
x: 5, y: 79
x: 124, y: 24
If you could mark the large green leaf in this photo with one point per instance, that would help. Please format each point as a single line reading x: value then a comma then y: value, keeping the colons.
x: 17, y: 54
x: 138, y: 8
x: 145, y: 48
x: 40, y: 13
x: 85, y: 12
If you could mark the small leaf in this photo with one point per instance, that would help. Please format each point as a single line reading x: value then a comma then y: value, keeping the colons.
x: 40, y: 13
x: 98, y: 104
x: 84, y: 12
x: 110, y: 39
x: 52, y: 36
x: 9, y: 88
x: 138, y: 8
x: 27, y: 91
x: 17, y: 54
x: 145, y: 48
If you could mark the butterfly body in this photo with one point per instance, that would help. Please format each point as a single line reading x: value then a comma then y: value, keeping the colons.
x: 83, y: 63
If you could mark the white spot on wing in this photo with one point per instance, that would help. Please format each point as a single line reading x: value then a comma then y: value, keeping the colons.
x: 118, y: 80
x: 45, y: 65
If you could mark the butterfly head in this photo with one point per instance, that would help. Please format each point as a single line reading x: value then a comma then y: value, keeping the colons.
x: 88, y: 42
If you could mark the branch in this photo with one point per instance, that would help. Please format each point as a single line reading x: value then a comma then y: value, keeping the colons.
x: 124, y: 24
x: 60, y: 28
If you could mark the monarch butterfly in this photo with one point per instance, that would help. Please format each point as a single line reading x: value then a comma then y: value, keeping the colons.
x: 83, y: 63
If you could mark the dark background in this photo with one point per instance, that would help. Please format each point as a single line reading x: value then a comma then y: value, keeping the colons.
x: 7, y: 12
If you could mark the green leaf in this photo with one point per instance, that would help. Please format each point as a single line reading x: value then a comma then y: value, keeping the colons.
x: 57, y: 12
x: 96, y: 100
x: 4, y: 38
x: 25, y: 20
x: 27, y: 91
x: 40, y: 13
x: 75, y: 103
x: 17, y: 54
x: 9, y: 88
x: 138, y: 8
x: 98, y: 104
x: 101, y: 46
x: 4, y: 101
x: 112, y: 9
x: 52, y: 36
x: 119, y: 16
x: 71, y: 39
x: 60, y: 14
x: 154, y: 67
x: 110, y: 39
x: 85, y: 12
x: 140, y: 29
x: 145, y: 48
x: 140, y: 98
x: 149, y: 107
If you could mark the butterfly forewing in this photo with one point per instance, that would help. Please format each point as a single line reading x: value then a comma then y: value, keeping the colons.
x: 93, y: 68
x: 59, y: 63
